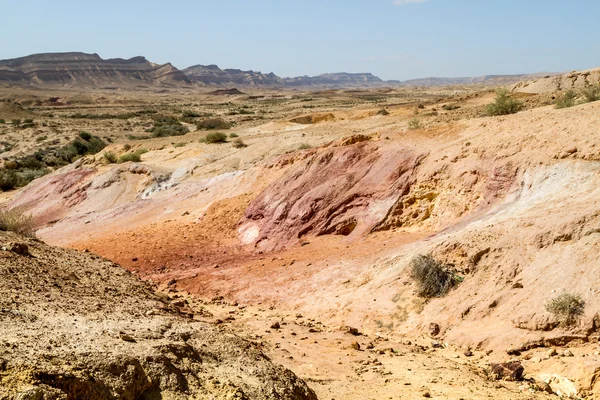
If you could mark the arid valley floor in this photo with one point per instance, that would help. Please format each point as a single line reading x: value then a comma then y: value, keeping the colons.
x: 275, y: 261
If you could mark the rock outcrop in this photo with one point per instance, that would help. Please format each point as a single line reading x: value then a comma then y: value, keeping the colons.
x: 342, y: 190
x: 549, y: 84
x: 75, y: 326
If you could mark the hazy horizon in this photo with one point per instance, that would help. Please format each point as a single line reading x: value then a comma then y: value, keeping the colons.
x: 400, y: 40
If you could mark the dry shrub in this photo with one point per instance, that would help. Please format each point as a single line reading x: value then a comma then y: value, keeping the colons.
x: 14, y: 220
x: 431, y: 277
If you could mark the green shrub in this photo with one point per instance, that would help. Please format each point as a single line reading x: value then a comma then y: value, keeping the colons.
x: 591, y: 93
x: 233, y: 135
x: 414, y: 123
x: 180, y: 144
x: 134, y: 157
x: 2, y: 121
x: 30, y: 162
x: 215, y: 137
x: 110, y: 157
x: 450, y: 107
x: 213, y: 123
x: 432, y: 279
x: 28, y: 175
x: 41, y: 138
x: 9, y: 179
x: 566, y: 308
x: 16, y: 121
x: 16, y: 221
x: 85, y: 136
x: 239, y: 143
x: 167, y: 126
x: 305, y: 146
x: 566, y: 100
x: 503, y: 104
x: 190, y: 114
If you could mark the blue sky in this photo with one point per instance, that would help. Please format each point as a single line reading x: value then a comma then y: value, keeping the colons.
x: 394, y: 39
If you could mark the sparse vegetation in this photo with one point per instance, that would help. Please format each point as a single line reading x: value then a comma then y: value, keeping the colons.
x: 566, y: 308
x: 432, y: 279
x: 85, y: 136
x: 383, y: 111
x: 239, y: 143
x: 233, y: 135
x: 566, y: 100
x: 110, y: 157
x: 179, y: 144
x: 18, y: 173
x: 305, y: 146
x: 450, y: 107
x: 503, y: 104
x: 133, y: 157
x: 190, y: 114
x: 591, y: 93
x: 14, y: 220
x: 167, y: 126
x: 9, y: 179
x: 109, y: 116
x: 213, y: 123
x: 41, y: 138
x: 214, y: 137
x: 415, y: 123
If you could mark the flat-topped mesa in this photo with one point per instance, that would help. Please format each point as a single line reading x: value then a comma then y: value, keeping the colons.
x: 87, y: 70
x: 213, y: 75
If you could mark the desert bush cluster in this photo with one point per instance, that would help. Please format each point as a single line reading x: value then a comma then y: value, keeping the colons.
x: 212, y: 124
x: 19, y: 172
x: 571, y: 98
x: 167, y: 126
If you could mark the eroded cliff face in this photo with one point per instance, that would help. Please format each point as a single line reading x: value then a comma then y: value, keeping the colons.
x: 87, y: 70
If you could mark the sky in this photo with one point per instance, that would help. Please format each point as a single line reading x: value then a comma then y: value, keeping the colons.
x: 393, y: 39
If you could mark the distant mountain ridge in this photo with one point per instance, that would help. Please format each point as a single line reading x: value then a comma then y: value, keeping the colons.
x: 213, y: 75
x: 76, y: 69
x: 485, y: 79
x: 88, y: 70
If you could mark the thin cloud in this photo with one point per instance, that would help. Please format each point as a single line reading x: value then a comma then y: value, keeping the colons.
x: 405, y: 2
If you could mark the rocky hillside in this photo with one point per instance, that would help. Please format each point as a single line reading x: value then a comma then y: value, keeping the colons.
x: 87, y: 70
x: 549, y: 84
x: 77, y: 326
x: 213, y: 75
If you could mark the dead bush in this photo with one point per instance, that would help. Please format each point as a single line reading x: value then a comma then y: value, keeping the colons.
x: 432, y: 279
x: 14, y: 220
